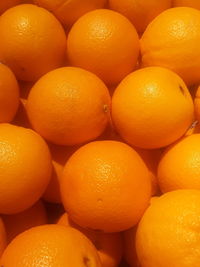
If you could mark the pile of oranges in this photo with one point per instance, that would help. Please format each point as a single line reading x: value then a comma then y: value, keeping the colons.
x: 99, y: 133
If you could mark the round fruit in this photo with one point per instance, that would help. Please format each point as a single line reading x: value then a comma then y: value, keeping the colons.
x: 50, y: 245
x: 105, y: 186
x: 109, y: 246
x: 152, y: 108
x: 25, y: 168
x: 172, y: 40
x: 69, y: 11
x: 33, y: 41
x: 19, y: 222
x: 3, y: 237
x: 179, y: 167
x: 188, y: 3
x: 9, y: 94
x: 168, y: 234
x: 69, y: 106
x: 104, y: 42
x: 140, y: 12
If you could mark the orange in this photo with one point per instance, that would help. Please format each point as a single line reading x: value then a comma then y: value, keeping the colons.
x: 109, y: 246
x: 104, y: 42
x: 18, y: 223
x: 69, y: 106
x: 179, y: 167
x: 25, y: 168
x: 52, y: 246
x: 3, y: 237
x: 168, y: 234
x: 172, y: 40
x: 152, y: 108
x: 69, y: 11
x: 140, y: 12
x: 105, y: 186
x: 33, y: 41
x: 129, y: 247
x: 9, y: 94
x: 188, y: 3
x: 60, y: 155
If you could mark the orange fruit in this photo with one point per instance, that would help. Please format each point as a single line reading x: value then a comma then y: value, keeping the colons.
x: 50, y: 245
x: 168, y: 233
x: 104, y: 42
x: 69, y: 11
x: 109, y: 246
x: 33, y: 41
x: 140, y: 12
x: 171, y: 40
x: 18, y: 223
x: 25, y: 168
x: 188, y: 3
x: 9, y: 94
x: 3, y: 237
x: 130, y: 253
x: 60, y: 155
x: 6, y: 4
x: 69, y: 106
x: 143, y: 116
x: 105, y: 186
x: 179, y: 167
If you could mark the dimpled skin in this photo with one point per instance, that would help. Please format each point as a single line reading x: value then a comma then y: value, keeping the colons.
x: 189, y: 3
x: 69, y: 11
x: 140, y: 12
x: 172, y: 40
x: 9, y: 94
x: 179, y: 167
x: 33, y: 41
x: 143, y: 111
x: 104, y: 42
x: 3, y: 237
x: 50, y: 246
x: 109, y: 246
x: 168, y: 234
x: 105, y: 186
x: 17, y: 223
x: 25, y: 168
x: 69, y: 106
